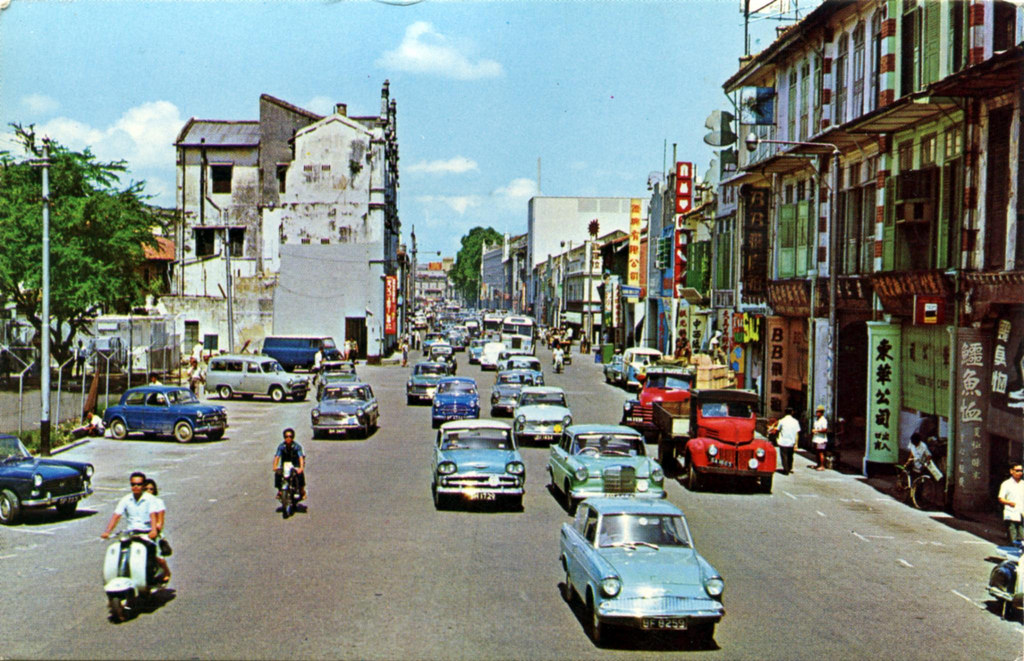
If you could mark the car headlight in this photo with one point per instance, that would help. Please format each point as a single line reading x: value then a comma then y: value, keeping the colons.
x: 566, y: 421
x: 760, y: 453
x: 514, y: 468
x: 626, y: 405
x: 88, y: 470
x: 714, y: 586
x: 712, y: 450
x: 657, y: 475
x: 446, y: 468
x: 611, y: 586
x: 360, y: 412
x: 315, y: 414
x: 37, y: 480
x: 581, y: 473
x: 408, y: 384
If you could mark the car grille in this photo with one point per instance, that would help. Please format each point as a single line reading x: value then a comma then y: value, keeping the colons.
x: 65, y: 486
x: 732, y: 456
x: 620, y: 479
x: 482, y: 481
x: 453, y: 409
x: 215, y: 420
x: 666, y: 605
x: 335, y: 416
x: 418, y: 389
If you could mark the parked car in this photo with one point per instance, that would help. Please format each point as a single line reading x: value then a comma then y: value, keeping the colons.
x: 633, y: 564
x: 489, y: 356
x: 294, y: 351
x: 334, y: 372
x: 603, y: 460
x: 635, y: 361
x: 456, y: 399
x: 660, y: 384
x: 27, y: 482
x: 541, y: 414
x: 505, y: 391
x: 165, y: 410
x: 474, y: 351
x: 345, y: 407
x: 615, y: 371
x: 422, y: 383
x: 477, y: 460
x: 253, y: 375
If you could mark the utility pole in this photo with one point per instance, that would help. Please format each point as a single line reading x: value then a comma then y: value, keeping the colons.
x: 230, y: 289
x: 44, y: 415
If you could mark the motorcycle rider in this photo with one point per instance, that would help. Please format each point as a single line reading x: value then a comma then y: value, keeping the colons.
x: 290, y: 451
x: 558, y: 358
x: 140, y: 508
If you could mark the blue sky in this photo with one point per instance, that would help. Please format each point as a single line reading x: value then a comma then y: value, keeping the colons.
x: 483, y: 89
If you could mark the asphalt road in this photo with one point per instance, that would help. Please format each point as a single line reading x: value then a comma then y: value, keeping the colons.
x: 825, y: 567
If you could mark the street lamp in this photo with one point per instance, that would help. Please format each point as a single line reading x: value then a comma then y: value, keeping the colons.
x: 752, y: 141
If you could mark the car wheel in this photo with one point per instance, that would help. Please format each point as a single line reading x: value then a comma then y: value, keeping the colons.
x: 703, y: 635
x: 409, y: 400
x: 440, y: 499
x: 569, y: 501
x: 224, y: 392
x: 277, y: 393
x: 693, y: 481
x: 118, y: 429
x: 116, y: 609
x: 215, y: 435
x: 10, y: 507
x: 300, y: 398
x: 765, y: 484
x: 67, y: 509
x: 598, y: 631
x: 568, y: 591
x: 183, y: 432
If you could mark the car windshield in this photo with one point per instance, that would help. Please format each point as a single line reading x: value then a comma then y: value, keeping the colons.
x: 673, y: 381
x: 542, y: 398
x: 351, y: 394
x: 328, y: 343
x: 610, y: 444
x: 631, y: 530
x: 430, y: 370
x: 726, y: 410
x: 477, y: 439
x: 272, y: 366
x: 521, y: 363
x: 182, y: 396
x: 460, y: 387
x: 510, y: 378
x: 442, y: 350
x: 11, y: 448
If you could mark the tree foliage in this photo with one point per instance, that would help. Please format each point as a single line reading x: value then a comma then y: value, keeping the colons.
x: 97, y: 233
x: 466, y: 273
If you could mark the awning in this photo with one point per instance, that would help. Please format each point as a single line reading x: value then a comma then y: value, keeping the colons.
x: 996, y: 75
x: 905, y: 113
x: 572, y: 317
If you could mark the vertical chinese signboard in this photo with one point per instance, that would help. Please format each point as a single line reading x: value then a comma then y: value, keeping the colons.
x: 684, y: 187
x: 391, y: 305
x: 883, y: 443
x: 972, y: 399
x: 633, y: 268
x: 777, y: 341
x: 1006, y: 404
x: 755, y: 243
x: 682, y: 242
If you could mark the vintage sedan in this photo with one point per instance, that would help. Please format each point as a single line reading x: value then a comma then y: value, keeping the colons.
x: 541, y: 414
x: 345, y: 407
x: 603, y: 460
x: 27, y: 482
x: 456, y: 399
x: 430, y: 339
x: 633, y: 563
x: 477, y: 460
x: 615, y: 371
x: 475, y: 350
x: 334, y: 372
x: 505, y: 391
x: 165, y: 410
x: 423, y: 382
x: 442, y: 352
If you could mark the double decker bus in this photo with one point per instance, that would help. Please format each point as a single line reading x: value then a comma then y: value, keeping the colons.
x: 518, y: 333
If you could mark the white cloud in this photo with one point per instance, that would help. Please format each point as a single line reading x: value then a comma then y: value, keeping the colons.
x: 424, y: 50
x: 458, y: 203
x: 39, y: 104
x: 517, y: 190
x: 321, y: 105
x: 456, y: 165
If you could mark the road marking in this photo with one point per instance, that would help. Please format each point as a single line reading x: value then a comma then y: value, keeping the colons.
x: 905, y: 563
x: 820, y: 513
x: 881, y: 536
x: 850, y: 500
x: 974, y: 541
x: 212, y: 500
x: 788, y: 494
x: 4, y: 557
x: 856, y: 534
x: 967, y: 599
x: 109, y: 489
x: 32, y: 532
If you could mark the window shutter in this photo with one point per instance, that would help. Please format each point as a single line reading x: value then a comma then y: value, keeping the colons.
x: 889, y: 225
x: 787, y: 240
x: 803, y: 249
x: 931, y: 41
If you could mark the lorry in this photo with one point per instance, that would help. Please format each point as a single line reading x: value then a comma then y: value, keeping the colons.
x: 661, y: 383
x: 712, y: 434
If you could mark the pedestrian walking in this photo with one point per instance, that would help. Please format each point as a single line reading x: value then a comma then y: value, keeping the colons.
x: 820, y: 437
x: 405, y: 353
x: 789, y: 433
x: 195, y: 376
x: 1011, y: 497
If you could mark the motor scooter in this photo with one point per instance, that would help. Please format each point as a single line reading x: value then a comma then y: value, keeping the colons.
x: 290, y: 491
x: 1006, y: 582
x: 129, y: 572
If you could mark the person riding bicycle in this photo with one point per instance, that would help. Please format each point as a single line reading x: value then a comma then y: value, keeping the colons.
x: 291, y: 452
x: 920, y: 455
x: 558, y: 358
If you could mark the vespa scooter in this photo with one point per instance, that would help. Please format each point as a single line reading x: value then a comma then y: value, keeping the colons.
x: 129, y: 572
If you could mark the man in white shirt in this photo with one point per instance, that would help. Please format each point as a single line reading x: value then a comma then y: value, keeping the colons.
x: 820, y: 438
x: 1011, y: 497
x: 138, y: 507
x: 789, y: 432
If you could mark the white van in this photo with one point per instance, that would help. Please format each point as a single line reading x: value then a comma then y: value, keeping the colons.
x: 253, y: 375
x: 489, y: 356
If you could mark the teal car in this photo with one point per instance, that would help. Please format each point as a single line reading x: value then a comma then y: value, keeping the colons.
x: 477, y: 460
x: 603, y: 460
x: 633, y: 564
x: 422, y: 383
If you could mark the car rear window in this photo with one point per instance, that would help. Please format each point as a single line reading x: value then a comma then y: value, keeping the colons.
x: 135, y: 398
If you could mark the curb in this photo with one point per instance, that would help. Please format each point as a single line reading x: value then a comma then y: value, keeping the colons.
x: 69, y: 446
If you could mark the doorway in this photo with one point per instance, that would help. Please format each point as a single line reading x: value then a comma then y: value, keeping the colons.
x: 355, y: 329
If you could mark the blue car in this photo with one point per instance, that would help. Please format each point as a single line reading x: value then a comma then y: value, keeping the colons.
x: 456, y: 399
x: 477, y: 460
x: 633, y: 564
x: 165, y: 410
x: 27, y: 482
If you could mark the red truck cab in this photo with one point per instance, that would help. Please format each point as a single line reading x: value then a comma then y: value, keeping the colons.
x: 660, y: 384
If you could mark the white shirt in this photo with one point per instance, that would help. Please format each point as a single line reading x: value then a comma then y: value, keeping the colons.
x: 1013, y: 491
x: 136, y: 511
x: 820, y: 429
x: 789, y: 431
x: 921, y: 455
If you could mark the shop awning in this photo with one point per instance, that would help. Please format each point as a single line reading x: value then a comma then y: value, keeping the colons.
x: 905, y: 113
x: 996, y: 75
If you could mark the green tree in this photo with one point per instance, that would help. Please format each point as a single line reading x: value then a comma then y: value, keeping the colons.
x: 97, y: 234
x: 466, y: 272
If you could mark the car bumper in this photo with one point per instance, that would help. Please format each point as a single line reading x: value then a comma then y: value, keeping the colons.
x: 665, y: 612
x: 425, y: 394
x: 598, y: 492
x: 734, y: 471
x: 540, y: 433
x: 50, y: 500
x: 482, y: 487
x: 336, y: 425
x: 463, y: 415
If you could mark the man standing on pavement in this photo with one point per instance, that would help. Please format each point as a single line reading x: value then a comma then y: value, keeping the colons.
x: 1011, y: 497
x: 789, y: 432
x: 820, y: 438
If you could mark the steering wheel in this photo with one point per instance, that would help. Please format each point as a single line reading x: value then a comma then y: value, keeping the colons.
x: 589, y: 450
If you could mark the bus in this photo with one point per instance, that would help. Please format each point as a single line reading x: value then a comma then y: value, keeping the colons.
x: 518, y: 333
x: 492, y: 323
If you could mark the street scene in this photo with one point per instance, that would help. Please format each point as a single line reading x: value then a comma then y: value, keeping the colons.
x: 407, y: 329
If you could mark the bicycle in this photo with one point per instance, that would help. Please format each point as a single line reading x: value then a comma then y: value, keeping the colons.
x: 903, y: 483
x: 928, y: 493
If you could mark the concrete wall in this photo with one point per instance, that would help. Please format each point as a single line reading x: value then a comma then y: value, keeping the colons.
x: 252, y: 306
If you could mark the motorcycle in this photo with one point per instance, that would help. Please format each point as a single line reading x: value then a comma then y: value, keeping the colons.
x: 290, y: 491
x: 1006, y: 582
x: 129, y: 572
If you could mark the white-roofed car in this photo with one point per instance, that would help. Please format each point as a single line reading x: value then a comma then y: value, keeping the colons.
x: 541, y: 414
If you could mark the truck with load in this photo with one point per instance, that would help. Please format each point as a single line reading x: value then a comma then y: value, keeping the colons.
x: 662, y: 382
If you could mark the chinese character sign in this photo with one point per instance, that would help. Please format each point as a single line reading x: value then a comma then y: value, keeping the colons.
x: 391, y: 305
x: 883, y: 411
x: 755, y: 242
x: 776, y: 360
x: 682, y: 241
x: 684, y: 187
x: 633, y: 266
x: 973, y: 380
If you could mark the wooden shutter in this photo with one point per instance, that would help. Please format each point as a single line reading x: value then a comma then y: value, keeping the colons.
x: 787, y: 240
x: 889, y: 226
x: 930, y: 43
x: 804, y: 253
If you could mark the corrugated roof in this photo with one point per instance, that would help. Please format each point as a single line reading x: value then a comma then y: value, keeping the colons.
x: 218, y: 132
x: 163, y: 251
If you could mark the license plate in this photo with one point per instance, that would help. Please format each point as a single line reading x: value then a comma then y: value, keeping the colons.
x: 664, y: 623
x: 65, y: 500
x: 482, y: 495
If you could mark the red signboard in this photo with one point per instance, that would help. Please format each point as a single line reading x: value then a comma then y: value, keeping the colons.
x: 391, y: 305
x: 929, y: 310
x: 679, y: 266
x: 684, y: 187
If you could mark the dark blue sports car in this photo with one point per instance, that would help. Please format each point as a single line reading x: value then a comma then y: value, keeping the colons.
x: 29, y: 482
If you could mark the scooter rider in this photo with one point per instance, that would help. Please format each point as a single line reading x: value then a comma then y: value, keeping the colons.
x: 290, y: 451
x: 140, y: 509
x: 558, y: 358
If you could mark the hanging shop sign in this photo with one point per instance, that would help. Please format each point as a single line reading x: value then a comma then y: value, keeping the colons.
x: 755, y: 242
x: 633, y: 263
x: 972, y: 403
x: 391, y: 305
x: 684, y: 187
x: 776, y: 352
x: 883, y: 396
x: 682, y: 241
x: 1006, y: 387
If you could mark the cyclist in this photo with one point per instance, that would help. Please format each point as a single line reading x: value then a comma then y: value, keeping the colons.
x: 920, y: 455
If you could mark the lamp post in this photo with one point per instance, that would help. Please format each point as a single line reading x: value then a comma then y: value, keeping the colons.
x: 752, y: 141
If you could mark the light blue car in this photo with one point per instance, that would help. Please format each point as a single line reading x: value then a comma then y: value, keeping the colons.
x: 477, y: 460
x: 633, y: 564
